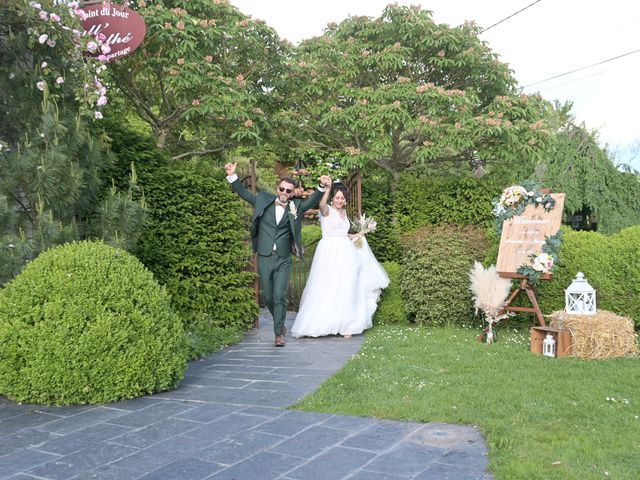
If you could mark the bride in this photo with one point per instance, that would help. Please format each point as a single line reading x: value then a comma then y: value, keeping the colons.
x: 344, y: 282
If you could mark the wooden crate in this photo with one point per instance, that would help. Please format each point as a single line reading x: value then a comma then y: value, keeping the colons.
x: 561, y: 336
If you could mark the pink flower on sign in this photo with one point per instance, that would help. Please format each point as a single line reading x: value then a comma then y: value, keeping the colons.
x: 103, y: 58
x: 43, y: 38
x: 105, y: 48
x: 82, y: 14
x: 102, y: 101
x: 59, y: 80
x: 40, y: 85
x: 55, y: 17
x: 98, y: 115
x: 92, y: 46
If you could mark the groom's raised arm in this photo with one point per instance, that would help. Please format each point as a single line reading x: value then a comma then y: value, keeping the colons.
x: 237, y: 186
x: 312, y: 201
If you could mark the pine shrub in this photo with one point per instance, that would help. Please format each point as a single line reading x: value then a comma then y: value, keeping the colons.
x: 87, y: 323
x: 435, y: 273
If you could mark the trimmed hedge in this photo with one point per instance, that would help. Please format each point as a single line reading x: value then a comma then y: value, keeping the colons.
x: 450, y: 200
x: 435, y: 273
x: 87, y: 323
x: 611, y: 265
x: 195, y: 242
x: 391, y: 307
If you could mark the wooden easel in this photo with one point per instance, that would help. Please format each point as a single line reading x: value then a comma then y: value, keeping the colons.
x: 528, y: 289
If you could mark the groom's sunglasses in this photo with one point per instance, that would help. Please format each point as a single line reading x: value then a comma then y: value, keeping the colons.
x: 282, y: 189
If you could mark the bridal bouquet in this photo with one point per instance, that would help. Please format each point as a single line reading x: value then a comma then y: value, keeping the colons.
x: 363, y: 225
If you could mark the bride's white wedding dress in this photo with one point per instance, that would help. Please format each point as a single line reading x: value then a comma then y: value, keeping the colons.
x: 343, y: 286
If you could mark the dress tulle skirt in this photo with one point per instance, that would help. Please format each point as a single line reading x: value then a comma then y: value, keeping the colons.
x: 342, y: 290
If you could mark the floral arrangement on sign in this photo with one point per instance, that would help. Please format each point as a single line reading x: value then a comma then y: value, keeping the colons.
x: 363, y: 225
x: 490, y: 292
x: 514, y: 200
x: 544, y: 262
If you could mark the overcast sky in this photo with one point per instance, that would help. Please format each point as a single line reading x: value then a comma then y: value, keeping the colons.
x: 549, y: 38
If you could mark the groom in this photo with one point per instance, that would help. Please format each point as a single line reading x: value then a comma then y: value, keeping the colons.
x: 276, y: 233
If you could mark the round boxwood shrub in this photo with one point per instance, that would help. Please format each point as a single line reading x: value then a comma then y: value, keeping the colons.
x: 435, y: 273
x: 391, y: 307
x: 87, y: 323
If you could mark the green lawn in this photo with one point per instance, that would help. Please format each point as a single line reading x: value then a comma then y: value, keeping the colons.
x: 543, y: 418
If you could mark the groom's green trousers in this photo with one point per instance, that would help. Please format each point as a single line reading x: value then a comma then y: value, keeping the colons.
x: 274, y: 283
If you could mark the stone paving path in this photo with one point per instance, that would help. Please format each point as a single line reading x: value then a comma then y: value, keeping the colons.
x: 228, y: 420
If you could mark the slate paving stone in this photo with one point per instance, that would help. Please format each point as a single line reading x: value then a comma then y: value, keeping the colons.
x: 311, y: 442
x: 381, y: 436
x: 155, y: 432
x: 22, y: 460
x: 334, y: 464
x: 262, y: 466
x: 224, y: 427
x: 151, y: 414
x: 239, y: 447
x: 160, y: 454
x: 406, y: 459
x: 207, y: 413
x: 88, y: 458
x: 81, y: 420
x: 66, y: 444
x: 441, y: 471
x: 350, y: 424
x: 108, y: 472
x: 24, y: 438
x: 184, y: 469
x: 15, y: 423
x: 291, y: 423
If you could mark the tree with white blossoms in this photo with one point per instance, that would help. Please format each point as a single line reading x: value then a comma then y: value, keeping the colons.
x: 490, y: 292
x: 52, y: 188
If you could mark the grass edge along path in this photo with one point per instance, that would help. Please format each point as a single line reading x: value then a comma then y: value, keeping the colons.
x: 544, y: 418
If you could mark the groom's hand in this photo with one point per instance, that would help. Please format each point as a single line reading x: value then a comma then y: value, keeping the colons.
x: 230, y: 168
x: 325, y: 181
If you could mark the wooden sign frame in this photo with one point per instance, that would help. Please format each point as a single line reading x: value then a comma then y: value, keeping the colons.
x: 523, y: 235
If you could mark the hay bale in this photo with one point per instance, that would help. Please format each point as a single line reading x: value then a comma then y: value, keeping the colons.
x: 602, y: 335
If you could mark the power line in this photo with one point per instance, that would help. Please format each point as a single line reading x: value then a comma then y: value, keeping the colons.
x: 582, y: 68
x: 510, y: 16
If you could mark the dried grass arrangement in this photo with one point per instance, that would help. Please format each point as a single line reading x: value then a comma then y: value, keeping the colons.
x: 602, y: 335
x: 490, y: 292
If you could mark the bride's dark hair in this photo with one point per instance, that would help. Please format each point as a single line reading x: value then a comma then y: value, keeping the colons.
x: 339, y: 187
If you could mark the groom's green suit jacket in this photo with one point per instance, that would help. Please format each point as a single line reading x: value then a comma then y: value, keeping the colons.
x: 265, y: 232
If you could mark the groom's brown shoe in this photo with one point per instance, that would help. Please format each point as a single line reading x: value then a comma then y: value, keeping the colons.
x: 280, y: 341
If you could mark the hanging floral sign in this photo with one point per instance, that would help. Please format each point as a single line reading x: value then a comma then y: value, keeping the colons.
x: 120, y: 28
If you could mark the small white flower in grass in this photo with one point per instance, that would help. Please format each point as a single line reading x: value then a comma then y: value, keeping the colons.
x: 55, y: 18
x: 98, y: 115
x: 51, y: 42
x: 59, y: 80
x: 102, y: 101
x: 44, y: 65
x: 40, y: 85
x: 43, y: 38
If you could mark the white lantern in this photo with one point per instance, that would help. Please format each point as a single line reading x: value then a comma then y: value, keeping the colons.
x: 580, y: 297
x: 549, y: 346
